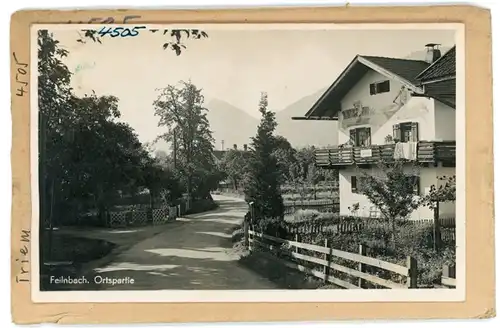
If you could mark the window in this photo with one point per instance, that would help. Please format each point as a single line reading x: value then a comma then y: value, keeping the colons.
x: 405, y: 132
x: 356, y: 183
x: 360, y: 137
x: 415, y: 181
x: 379, y: 87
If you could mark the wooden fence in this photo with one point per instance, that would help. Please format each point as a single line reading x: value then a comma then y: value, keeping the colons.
x: 326, y: 259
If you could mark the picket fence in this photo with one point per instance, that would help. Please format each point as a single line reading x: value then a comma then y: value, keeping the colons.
x: 137, y: 216
x: 325, y: 257
x: 350, y: 225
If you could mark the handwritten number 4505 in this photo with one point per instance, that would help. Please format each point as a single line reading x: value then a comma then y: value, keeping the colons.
x: 120, y: 31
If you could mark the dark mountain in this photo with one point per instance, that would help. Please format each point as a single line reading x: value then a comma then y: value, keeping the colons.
x: 306, y: 133
x: 230, y: 124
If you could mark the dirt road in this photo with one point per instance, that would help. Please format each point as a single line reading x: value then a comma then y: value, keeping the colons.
x: 195, y: 253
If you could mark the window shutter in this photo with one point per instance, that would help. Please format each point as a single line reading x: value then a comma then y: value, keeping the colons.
x: 354, y: 184
x: 416, y: 184
x: 373, y: 89
x: 414, y: 131
x: 352, y: 136
x: 369, y: 137
x: 396, y: 132
x: 385, y: 86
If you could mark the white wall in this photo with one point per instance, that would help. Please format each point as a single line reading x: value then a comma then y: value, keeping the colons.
x: 361, y: 92
x: 428, y: 177
x: 387, y: 109
x: 445, y: 122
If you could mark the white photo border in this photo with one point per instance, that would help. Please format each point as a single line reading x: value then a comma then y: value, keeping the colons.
x: 245, y: 296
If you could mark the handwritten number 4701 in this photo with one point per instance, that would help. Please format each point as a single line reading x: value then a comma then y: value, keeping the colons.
x: 120, y: 31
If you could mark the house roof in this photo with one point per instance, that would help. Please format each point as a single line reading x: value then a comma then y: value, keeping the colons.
x: 438, y: 80
x: 402, y: 70
x: 442, y: 90
x: 444, y: 67
x: 219, y: 154
x: 407, y: 69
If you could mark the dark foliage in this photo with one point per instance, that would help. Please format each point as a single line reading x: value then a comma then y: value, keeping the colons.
x: 262, y: 187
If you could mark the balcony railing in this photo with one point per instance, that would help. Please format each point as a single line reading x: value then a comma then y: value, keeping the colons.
x: 428, y: 152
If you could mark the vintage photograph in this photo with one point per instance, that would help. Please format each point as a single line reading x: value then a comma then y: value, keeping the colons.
x: 247, y: 157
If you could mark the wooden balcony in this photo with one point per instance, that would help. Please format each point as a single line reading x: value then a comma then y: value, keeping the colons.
x: 428, y: 153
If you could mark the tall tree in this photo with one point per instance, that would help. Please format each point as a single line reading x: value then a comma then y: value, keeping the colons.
x: 180, y: 109
x: 234, y: 164
x: 54, y: 93
x: 85, y: 155
x: 263, y: 185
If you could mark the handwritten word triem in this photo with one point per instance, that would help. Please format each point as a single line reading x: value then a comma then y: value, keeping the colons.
x: 21, y: 79
x: 120, y: 31
x: 23, y: 260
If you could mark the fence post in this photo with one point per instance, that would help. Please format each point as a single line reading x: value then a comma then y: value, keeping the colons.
x: 437, y: 228
x: 361, y: 266
x: 245, y: 233
x: 296, y: 240
x: 327, y: 259
x: 252, y: 213
x: 411, y: 264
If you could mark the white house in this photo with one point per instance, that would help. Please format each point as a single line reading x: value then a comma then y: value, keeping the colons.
x: 388, y: 108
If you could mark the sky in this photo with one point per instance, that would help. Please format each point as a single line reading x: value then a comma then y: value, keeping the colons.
x: 234, y: 65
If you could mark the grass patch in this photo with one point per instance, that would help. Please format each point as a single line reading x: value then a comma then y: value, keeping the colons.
x: 266, y: 265
x: 270, y: 267
x: 68, y: 255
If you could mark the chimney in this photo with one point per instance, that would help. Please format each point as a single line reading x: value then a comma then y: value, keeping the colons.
x: 235, y: 146
x: 222, y: 145
x: 245, y: 147
x: 433, y: 53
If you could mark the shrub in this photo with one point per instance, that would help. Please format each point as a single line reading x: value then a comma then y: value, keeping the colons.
x: 304, y: 215
x: 237, y: 235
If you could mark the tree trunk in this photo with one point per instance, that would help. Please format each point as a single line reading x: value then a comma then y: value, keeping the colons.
x: 43, y: 179
x: 393, y: 233
x: 437, y: 228
x: 175, y: 147
x: 189, y: 192
x: 101, y: 208
x: 51, y: 218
